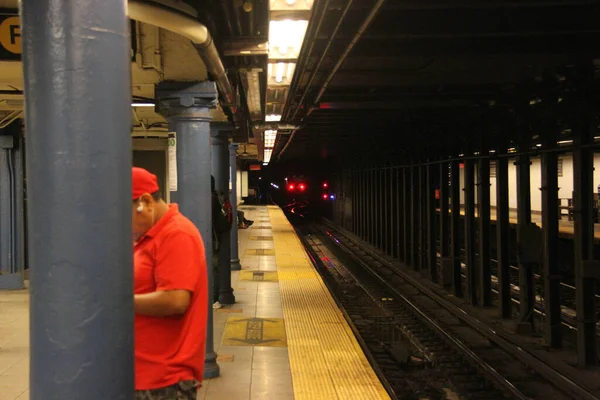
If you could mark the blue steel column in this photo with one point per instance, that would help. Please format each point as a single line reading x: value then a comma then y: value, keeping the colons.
x: 503, y: 237
x: 414, y: 220
x: 526, y: 276
x: 12, y: 260
x: 406, y: 216
x: 469, y: 239
x: 483, y: 207
x: 235, y: 258
x: 430, y: 218
x: 219, y: 133
x: 585, y: 266
x: 78, y: 118
x: 187, y: 108
x: 455, y: 237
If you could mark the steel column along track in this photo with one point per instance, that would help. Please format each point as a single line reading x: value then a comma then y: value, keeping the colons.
x: 383, y: 269
x: 326, y: 360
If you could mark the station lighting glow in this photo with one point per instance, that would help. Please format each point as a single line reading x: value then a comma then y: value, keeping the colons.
x: 285, y: 38
x: 142, y: 104
x: 273, y: 118
x: 270, y: 136
x: 286, y: 35
x: 297, y: 5
x: 281, y: 73
x: 267, y: 156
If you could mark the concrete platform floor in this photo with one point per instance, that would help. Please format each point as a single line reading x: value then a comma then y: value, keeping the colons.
x: 247, y: 372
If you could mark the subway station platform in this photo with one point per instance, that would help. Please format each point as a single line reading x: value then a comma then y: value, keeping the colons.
x: 285, y: 337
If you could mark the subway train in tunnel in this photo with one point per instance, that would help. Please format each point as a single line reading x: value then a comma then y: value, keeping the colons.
x: 305, y: 195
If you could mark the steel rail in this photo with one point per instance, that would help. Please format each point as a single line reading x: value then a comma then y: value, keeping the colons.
x: 556, y: 378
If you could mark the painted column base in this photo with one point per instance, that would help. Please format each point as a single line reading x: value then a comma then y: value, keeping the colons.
x: 12, y: 282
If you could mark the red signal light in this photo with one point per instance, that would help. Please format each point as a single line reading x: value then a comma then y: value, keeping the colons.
x: 325, y: 185
x: 301, y: 187
x: 291, y: 187
x: 325, y: 197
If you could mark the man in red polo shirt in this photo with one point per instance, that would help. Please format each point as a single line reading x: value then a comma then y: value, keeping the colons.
x: 171, y: 296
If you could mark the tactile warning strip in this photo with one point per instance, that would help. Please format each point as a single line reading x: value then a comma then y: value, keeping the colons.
x: 260, y: 252
x: 326, y: 361
x: 258, y: 276
x: 263, y: 238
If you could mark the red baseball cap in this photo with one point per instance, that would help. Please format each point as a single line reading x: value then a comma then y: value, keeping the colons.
x: 143, y: 182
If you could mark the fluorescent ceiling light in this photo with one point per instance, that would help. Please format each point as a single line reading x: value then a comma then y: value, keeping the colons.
x: 280, y: 73
x: 286, y: 5
x: 273, y: 118
x: 565, y: 142
x: 285, y: 38
x: 142, y: 104
x: 267, y: 155
x: 270, y: 136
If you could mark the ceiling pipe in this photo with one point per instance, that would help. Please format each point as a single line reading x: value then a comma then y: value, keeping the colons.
x: 311, y: 42
x: 323, y: 54
x: 277, y: 126
x: 376, y: 8
x: 341, y: 60
x: 190, y: 28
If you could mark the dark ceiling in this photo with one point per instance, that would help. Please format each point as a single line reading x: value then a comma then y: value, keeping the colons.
x: 422, y: 78
x: 435, y: 77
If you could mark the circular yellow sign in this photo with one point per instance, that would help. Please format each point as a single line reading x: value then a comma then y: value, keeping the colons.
x: 10, y: 34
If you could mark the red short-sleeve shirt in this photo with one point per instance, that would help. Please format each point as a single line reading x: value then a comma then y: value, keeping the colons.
x: 171, y: 349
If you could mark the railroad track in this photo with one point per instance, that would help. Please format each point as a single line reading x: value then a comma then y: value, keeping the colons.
x: 383, y: 302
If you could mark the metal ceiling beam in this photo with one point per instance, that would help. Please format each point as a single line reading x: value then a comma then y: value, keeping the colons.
x: 576, y: 43
x: 374, y: 12
x: 324, y: 53
x: 244, y: 46
x: 467, y: 4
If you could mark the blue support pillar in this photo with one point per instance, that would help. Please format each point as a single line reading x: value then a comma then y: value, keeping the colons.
x: 219, y: 132
x: 78, y: 117
x: 12, y: 255
x: 235, y: 258
x: 187, y: 108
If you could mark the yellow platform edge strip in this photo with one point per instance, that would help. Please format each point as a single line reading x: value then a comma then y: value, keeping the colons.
x: 326, y: 360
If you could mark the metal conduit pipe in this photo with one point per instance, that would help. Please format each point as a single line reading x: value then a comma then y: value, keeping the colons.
x: 323, y: 54
x: 302, y: 67
x: 376, y: 8
x: 341, y: 60
x: 186, y: 26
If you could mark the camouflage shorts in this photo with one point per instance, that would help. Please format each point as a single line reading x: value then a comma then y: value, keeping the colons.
x: 184, y: 390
